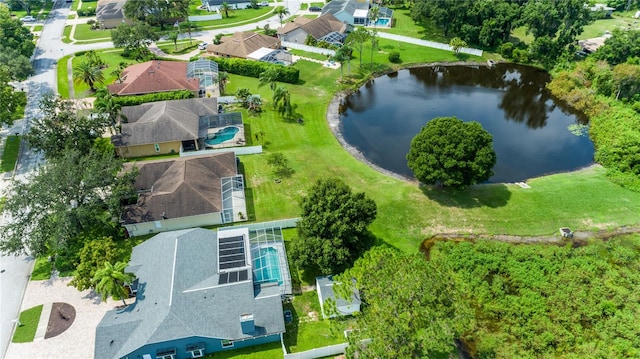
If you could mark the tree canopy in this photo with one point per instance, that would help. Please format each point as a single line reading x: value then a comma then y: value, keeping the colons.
x: 73, y: 194
x: 332, y: 230
x: 134, y: 38
x: 452, y: 153
x: 14, y: 35
x: 157, y: 12
x: 9, y: 98
x: 500, y: 300
x: 91, y: 258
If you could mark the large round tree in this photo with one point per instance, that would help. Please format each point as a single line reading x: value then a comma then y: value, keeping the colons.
x: 332, y: 230
x: 452, y: 153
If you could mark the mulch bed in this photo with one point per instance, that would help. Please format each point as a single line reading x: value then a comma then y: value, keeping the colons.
x: 61, y: 318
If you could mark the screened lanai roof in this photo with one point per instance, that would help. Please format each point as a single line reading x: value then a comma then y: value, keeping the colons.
x: 333, y: 38
x: 203, y: 69
x: 385, y: 12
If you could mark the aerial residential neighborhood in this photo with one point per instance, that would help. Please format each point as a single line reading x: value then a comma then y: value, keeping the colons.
x: 309, y: 179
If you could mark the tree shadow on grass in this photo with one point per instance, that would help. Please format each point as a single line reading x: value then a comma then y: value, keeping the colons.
x: 484, y: 195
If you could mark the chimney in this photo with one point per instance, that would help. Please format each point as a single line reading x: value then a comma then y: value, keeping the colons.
x: 247, y: 324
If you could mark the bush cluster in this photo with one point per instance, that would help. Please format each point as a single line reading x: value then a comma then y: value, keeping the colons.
x: 90, y: 11
x: 153, y: 97
x: 252, y: 68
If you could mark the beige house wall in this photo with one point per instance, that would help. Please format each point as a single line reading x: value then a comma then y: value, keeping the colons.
x: 173, y: 224
x: 149, y: 149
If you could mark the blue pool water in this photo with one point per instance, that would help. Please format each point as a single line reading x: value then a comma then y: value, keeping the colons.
x: 266, y: 267
x: 221, y: 136
x: 382, y: 22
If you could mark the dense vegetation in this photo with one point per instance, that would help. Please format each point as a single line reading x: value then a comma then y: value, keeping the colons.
x: 503, y: 300
x: 606, y: 86
x: 488, y: 24
x: 255, y: 68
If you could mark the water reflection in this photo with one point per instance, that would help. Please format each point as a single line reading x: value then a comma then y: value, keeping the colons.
x: 529, y: 126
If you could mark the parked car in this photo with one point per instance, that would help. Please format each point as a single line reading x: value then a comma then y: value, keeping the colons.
x: 28, y: 19
x: 202, y: 46
x: 315, y: 9
x: 264, y: 3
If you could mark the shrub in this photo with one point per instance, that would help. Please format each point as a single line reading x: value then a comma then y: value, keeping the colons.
x: 394, y: 57
x: 153, y: 97
x: 255, y: 68
x: 506, y: 50
x: 90, y: 11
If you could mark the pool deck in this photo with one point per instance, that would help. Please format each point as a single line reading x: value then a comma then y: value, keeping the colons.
x: 237, y: 140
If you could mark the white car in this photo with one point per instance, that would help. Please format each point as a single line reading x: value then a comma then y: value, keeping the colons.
x: 202, y: 46
x: 264, y: 3
x: 28, y: 19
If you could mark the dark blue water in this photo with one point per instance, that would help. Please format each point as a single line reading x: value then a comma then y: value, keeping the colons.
x: 530, y: 128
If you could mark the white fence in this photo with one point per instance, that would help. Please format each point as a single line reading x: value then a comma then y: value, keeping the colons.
x: 249, y: 150
x: 307, y: 48
x: 319, y: 352
x: 197, y: 18
x: 426, y: 43
x: 282, y: 223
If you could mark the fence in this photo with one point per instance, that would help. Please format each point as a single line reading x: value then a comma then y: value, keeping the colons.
x: 282, y: 223
x: 330, y: 350
x: 307, y: 48
x: 249, y: 150
x: 426, y: 43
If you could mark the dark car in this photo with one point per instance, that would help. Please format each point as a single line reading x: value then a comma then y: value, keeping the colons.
x: 315, y: 9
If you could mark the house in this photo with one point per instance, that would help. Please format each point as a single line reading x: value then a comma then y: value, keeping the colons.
x: 199, y: 292
x: 214, y: 5
x: 323, y: 28
x: 161, y: 76
x: 356, y: 12
x: 241, y: 44
x: 324, y: 286
x: 606, y: 10
x: 110, y: 14
x: 593, y: 44
x: 185, y: 192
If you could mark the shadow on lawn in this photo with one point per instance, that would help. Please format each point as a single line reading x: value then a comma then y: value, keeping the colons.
x: 487, y: 195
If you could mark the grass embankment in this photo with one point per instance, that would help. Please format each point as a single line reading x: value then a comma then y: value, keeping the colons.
x: 10, y: 154
x: 63, y: 77
x: 408, y: 213
x: 29, y: 319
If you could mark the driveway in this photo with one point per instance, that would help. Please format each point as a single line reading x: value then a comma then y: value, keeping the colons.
x: 75, y: 342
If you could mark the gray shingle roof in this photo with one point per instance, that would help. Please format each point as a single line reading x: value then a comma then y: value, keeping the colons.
x: 110, y: 9
x: 349, y: 6
x: 163, y: 121
x: 177, y: 298
x: 182, y: 187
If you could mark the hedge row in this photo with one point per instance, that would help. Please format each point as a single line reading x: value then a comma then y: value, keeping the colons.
x: 152, y: 97
x: 252, y: 68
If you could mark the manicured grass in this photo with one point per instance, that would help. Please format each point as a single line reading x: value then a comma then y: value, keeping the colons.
x: 265, y: 351
x: 22, y: 102
x: 37, y: 28
x: 10, y: 153
x: 404, y: 25
x: 308, y: 330
x: 84, y: 33
x: 194, y: 8
x: 598, y: 27
x: 88, y: 4
x: 520, y: 33
x: 237, y: 17
x: 112, y: 59
x: 183, y: 47
x: 304, y: 6
x: 311, y: 55
x: 66, y: 34
x: 41, y: 269
x: 408, y: 213
x: 29, y: 319
x: 63, y: 77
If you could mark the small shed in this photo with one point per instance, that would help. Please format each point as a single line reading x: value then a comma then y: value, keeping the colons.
x: 324, y: 286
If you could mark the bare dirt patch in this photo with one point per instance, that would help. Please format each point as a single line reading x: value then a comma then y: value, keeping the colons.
x: 62, y: 317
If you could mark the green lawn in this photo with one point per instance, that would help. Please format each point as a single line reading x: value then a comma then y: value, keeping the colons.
x: 63, y: 77
x: 597, y: 28
x: 41, y: 269
x: 88, y: 4
x: 194, y: 8
x: 238, y: 17
x: 265, y: 351
x: 27, y: 331
x: 10, y: 153
x: 84, y: 33
x: 183, y: 47
x: 520, y: 33
x: 404, y: 25
x: 308, y: 330
x: 112, y: 59
x: 66, y: 34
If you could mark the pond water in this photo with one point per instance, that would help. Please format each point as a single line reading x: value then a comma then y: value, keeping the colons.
x: 533, y: 133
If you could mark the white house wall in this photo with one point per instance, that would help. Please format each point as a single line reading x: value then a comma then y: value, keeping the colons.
x: 173, y: 224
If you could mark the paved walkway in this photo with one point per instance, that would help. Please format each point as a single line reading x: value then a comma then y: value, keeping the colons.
x: 75, y: 342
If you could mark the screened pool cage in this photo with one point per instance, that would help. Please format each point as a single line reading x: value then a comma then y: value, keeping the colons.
x: 205, y: 70
x: 269, y: 258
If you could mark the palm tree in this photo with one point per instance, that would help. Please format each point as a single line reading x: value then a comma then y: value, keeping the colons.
x: 374, y: 43
x: 223, y: 78
x: 269, y: 76
x: 173, y: 36
x: 374, y: 15
x: 111, y: 279
x: 225, y: 7
x: 191, y: 27
x: 282, y: 102
x: 87, y: 73
x: 106, y: 105
x: 281, y: 12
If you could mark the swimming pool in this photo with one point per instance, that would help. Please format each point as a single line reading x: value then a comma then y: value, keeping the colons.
x: 266, y: 266
x: 221, y: 136
x: 382, y: 22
